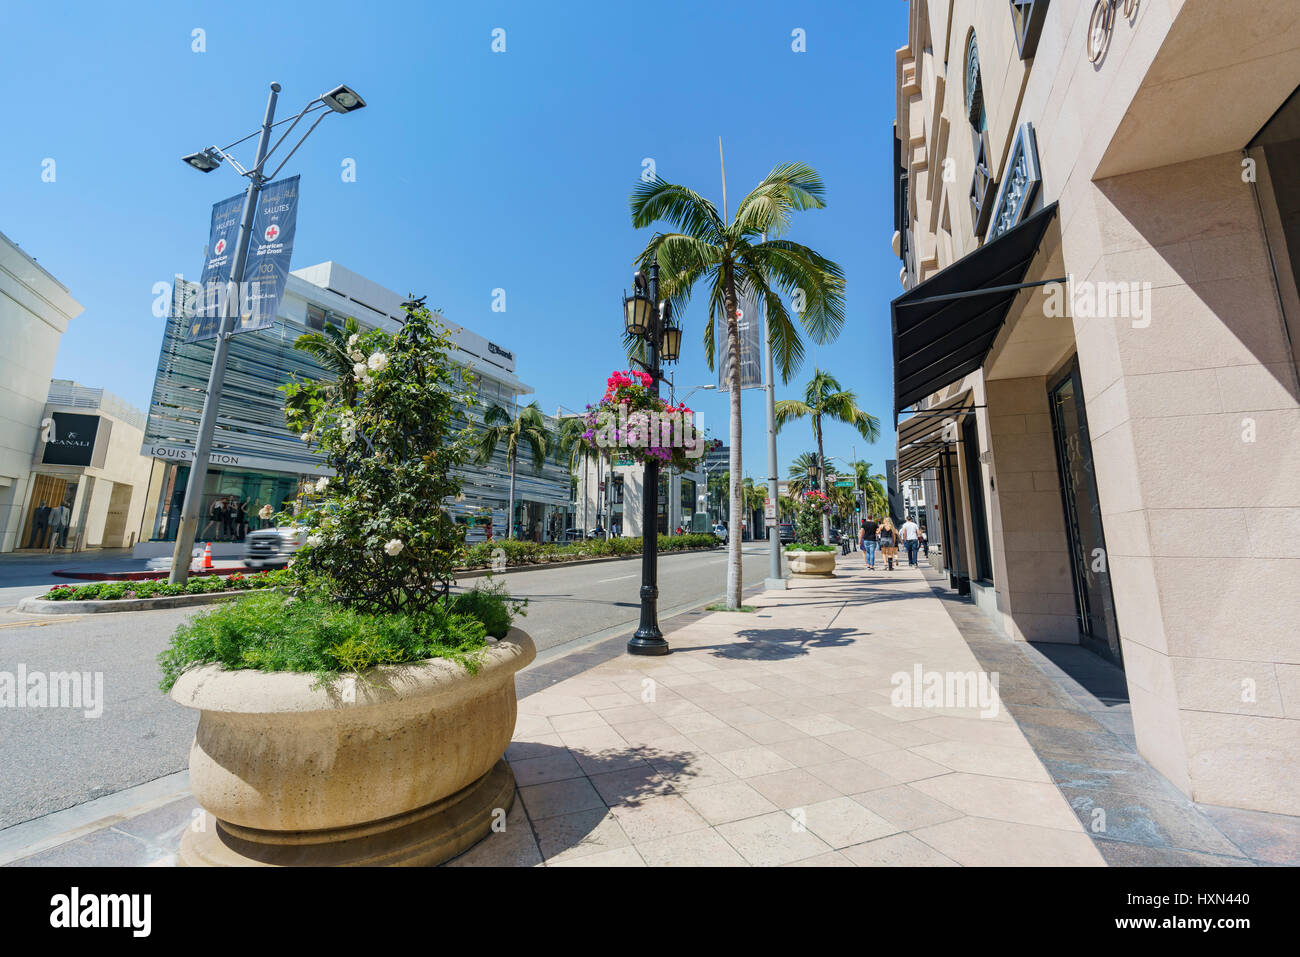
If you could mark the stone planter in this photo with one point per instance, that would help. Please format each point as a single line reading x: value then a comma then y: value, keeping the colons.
x: 399, y: 765
x: 811, y: 564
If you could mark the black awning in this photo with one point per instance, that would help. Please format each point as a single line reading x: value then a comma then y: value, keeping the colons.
x: 944, y: 327
x: 923, y: 437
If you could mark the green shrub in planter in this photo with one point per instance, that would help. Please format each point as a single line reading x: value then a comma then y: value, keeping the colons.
x: 805, y: 547
x: 372, y: 584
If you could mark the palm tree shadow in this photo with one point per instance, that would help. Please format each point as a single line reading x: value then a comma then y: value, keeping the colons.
x: 779, y: 644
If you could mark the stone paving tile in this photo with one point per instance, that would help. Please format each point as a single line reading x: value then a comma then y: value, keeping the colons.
x: 1173, y: 824
x: 1002, y: 799
x: 906, y: 807
x: 750, y: 762
x: 796, y: 788
x: 555, y: 766
x: 631, y: 785
x: 1120, y: 854
x: 657, y: 816
x: 556, y: 798
x: 772, y: 839
x: 848, y: 775
x: 734, y: 801
x: 842, y: 822
x: 896, y: 850
x: 692, y: 849
x: 618, y: 857
x: 571, y: 836
x: 1265, y: 838
x: 829, y: 859
x: 979, y: 842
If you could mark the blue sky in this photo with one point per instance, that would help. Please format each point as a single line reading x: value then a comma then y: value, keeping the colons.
x: 475, y: 170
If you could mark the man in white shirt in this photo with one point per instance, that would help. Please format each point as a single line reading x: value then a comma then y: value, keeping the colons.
x: 911, y: 535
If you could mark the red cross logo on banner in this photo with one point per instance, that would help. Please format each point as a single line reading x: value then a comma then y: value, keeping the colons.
x: 740, y: 314
x: 220, y: 247
x: 272, y: 232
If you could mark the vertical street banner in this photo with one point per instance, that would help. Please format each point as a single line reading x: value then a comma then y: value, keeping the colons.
x: 266, y: 270
x: 269, y: 253
x: 205, y: 321
x: 749, y: 328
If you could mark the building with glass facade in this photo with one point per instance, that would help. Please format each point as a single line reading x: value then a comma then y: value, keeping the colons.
x: 256, y: 460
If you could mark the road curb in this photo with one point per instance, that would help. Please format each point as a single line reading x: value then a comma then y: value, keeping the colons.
x: 41, y: 606
x: 533, y: 566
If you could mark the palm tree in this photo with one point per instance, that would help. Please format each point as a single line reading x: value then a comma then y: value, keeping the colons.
x: 825, y: 398
x: 730, y: 256
x: 329, y: 347
x: 797, y: 478
x: 872, y: 486
x: 528, y: 428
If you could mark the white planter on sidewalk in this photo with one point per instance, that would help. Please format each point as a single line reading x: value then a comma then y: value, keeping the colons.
x: 399, y: 765
x: 811, y: 564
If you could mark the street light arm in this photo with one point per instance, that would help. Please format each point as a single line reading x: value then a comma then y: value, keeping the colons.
x: 298, y: 144
x: 285, y: 135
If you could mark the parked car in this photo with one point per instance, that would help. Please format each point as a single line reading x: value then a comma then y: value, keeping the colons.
x: 573, y: 535
x: 273, y: 547
x: 786, y: 533
x: 720, y: 531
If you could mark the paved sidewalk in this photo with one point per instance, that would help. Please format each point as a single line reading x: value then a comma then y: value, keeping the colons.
x: 763, y: 739
x: 770, y: 739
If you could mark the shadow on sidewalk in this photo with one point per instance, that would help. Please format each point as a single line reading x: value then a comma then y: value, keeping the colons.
x: 779, y: 644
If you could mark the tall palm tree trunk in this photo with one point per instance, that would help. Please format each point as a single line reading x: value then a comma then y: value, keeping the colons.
x: 821, y: 477
x: 736, y: 507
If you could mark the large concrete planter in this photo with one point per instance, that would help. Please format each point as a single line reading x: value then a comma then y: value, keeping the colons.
x: 401, y: 765
x: 811, y: 564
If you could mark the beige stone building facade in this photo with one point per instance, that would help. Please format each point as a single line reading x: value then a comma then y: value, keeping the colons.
x: 1098, y: 216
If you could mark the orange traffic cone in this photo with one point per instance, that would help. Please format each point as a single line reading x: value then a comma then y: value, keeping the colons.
x: 206, y: 564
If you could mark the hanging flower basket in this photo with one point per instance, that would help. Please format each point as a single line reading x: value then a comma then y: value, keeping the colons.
x: 630, y: 421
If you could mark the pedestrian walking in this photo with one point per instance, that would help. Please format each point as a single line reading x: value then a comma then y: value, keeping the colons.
x: 888, y: 542
x: 911, y: 536
x: 868, y: 532
x: 40, y: 527
x: 925, y: 543
x: 59, y: 518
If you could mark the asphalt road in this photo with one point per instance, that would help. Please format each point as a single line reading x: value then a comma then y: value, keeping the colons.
x: 55, y: 758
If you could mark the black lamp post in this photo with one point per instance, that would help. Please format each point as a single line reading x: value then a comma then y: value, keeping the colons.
x: 650, y: 320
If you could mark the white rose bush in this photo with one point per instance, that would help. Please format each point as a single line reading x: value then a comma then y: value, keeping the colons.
x: 378, y: 538
x: 371, y: 585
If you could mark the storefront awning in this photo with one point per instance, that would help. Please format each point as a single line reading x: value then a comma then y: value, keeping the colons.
x: 944, y: 327
x: 923, y: 436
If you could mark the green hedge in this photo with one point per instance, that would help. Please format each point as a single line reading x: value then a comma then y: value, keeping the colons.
x: 161, y: 588
x: 804, y: 547
x: 532, y: 553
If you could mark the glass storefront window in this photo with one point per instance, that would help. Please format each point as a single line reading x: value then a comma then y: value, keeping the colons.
x: 229, y: 505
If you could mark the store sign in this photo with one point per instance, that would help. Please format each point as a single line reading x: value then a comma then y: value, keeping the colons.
x: 71, y: 439
x: 1016, y: 194
x: 184, y: 453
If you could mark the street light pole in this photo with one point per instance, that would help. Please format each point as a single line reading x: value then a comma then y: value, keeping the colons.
x: 648, y: 639
x: 193, y: 502
x: 341, y: 99
x: 774, y: 577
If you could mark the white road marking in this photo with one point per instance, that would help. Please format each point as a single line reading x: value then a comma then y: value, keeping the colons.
x: 618, y: 579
